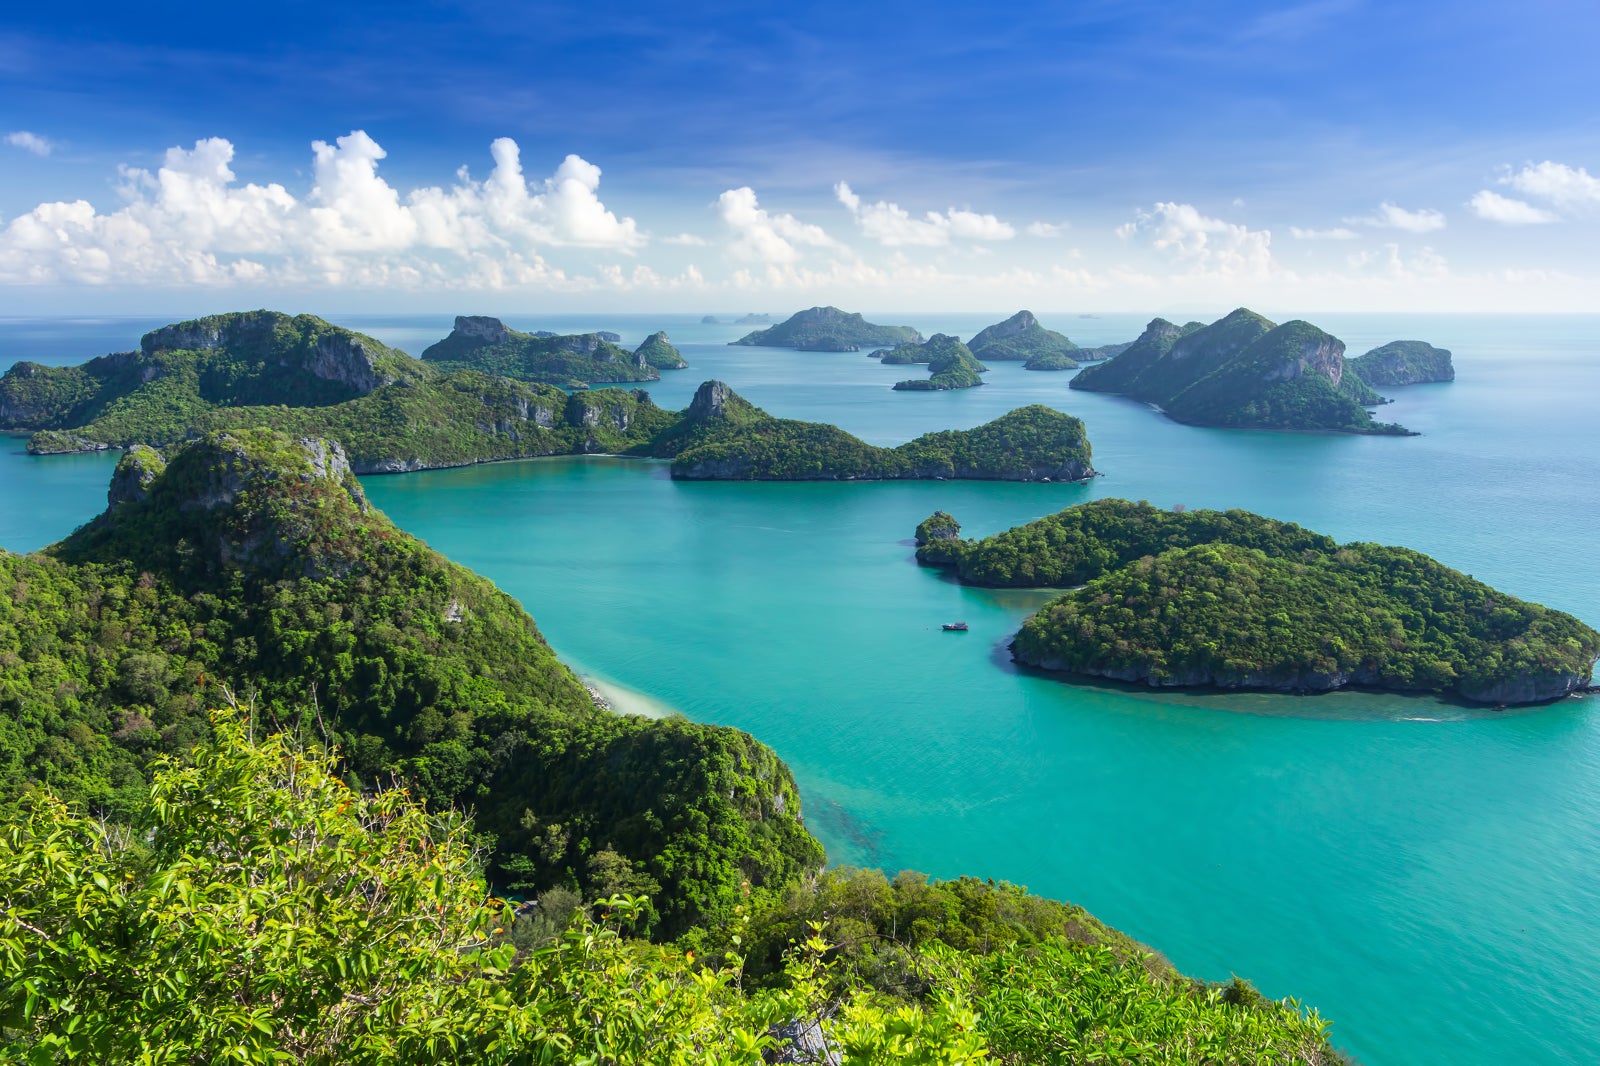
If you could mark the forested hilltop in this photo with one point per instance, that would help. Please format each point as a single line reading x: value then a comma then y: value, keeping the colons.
x: 1234, y: 600
x: 221, y: 886
x: 479, y: 342
x: 1245, y: 372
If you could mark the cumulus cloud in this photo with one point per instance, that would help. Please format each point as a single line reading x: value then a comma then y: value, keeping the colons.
x: 1496, y: 208
x: 191, y: 221
x: 30, y: 142
x: 1558, y: 183
x: 1046, y: 229
x: 1205, y: 244
x: 892, y: 226
x: 1336, y: 233
x: 1393, y: 216
x: 764, y: 237
x: 688, y: 240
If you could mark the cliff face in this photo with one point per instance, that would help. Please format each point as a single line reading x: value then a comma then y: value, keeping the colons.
x: 332, y: 354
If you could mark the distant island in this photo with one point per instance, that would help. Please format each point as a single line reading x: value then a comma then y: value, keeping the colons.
x: 392, y: 413
x: 488, y: 344
x: 828, y: 329
x: 752, y: 320
x: 1245, y: 372
x: 657, y: 351
x: 723, y: 437
x: 1404, y: 363
x: 1020, y: 338
x: 951, y: 364
x: 1237, y: 601
x: 710, y: 320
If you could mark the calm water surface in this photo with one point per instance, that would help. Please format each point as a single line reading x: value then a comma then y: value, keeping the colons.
x: 1426, y: 875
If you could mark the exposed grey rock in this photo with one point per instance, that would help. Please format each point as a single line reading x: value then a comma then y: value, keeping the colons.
x: 482, y: 328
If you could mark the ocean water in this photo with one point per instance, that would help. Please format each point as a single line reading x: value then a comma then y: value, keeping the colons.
x: 1425, y: 874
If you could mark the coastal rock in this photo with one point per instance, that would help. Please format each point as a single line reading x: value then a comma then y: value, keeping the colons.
x: 481, y: 328
x: 710, y: 400
x: 136, y: 471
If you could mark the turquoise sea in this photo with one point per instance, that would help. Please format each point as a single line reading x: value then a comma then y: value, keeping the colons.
x: 1425, y: 874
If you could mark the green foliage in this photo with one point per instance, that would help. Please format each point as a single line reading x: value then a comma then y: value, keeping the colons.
x: 254, y: 557
x: 1029, y: 444
x: 262, y: 909
x: 904, y: 354
x: 1236, y: 600
x: 1050, y: 361
x: 1242, y: 371
x: 1403, y: 363
x: 579, y: 359
x: 828, y: 329
x: 658, y: 352
x: 1092, y: 539
x: 950, y: 366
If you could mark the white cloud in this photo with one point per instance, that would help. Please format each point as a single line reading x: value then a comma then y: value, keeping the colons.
x: 688, y: 240
x: 1496, y: 208
x: 764, y: 237
x: 1558, y: 183
x: 1046, y: 229
x: 1336, y: 233
x: 1393, y: 216
x: 892, y: 226
x: 191, y: 222
x: 1208, y: 245
x: 30, y: 142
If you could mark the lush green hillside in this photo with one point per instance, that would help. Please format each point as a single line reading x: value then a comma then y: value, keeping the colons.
x: 658, y: 352
x: 828, y: 329
x: 950, y: 366
x: 1242, y: 371
x: 182, y: 371
x: 723, y: 437
x: 1404, y: 363
x: 488, y: 345
x: 253, y: 557
x: 1021, y: 338
x: 1232, y: 599
x: 262, y: 906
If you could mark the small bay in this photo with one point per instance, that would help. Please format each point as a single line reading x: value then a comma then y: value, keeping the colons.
x: 1426, y: 874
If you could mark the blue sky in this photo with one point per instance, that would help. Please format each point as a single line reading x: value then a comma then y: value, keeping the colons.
x: 1332, y: 154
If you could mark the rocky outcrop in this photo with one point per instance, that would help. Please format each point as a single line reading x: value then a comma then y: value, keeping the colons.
x: 136, y: 471
x: 657, y: 351
x: 710, y: 400
x: 343, y: 358
x: 1541, y: 687
x: 1314, y: 355
x: 481, y: 328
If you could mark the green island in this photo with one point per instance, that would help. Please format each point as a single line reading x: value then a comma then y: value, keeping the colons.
x: 392, y: 413
x: 724, y: 437
x: 1242, y: 372
x: 1404, y: 363
x: 951, y: 365
x: 486, y: 344
x: 1230, y: 599
x: 1020, y: 338
x: 657, y: 351
x: 827, y: 329
x: 270, y: 769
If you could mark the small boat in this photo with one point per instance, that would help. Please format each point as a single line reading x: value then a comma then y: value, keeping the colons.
x: 955, y: 627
